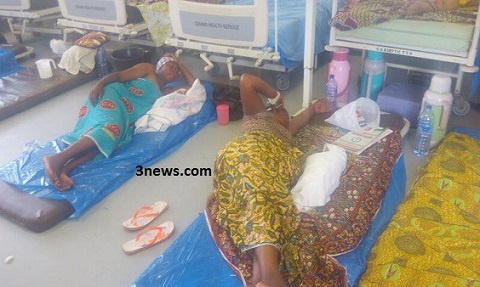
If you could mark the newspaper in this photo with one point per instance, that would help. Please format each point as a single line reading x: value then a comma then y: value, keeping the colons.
x: 357, y: 142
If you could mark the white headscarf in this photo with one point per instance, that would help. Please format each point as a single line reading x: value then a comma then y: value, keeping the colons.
x: 163, y: 61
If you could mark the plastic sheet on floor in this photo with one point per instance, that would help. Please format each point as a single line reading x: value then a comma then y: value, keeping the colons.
x: 471, y: 132
x: 355, y: 260
x: 96, y: 179
x: 194, y: 260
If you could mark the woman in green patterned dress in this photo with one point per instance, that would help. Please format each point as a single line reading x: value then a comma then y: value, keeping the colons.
x: 107, y: 118
x: 251, y: 213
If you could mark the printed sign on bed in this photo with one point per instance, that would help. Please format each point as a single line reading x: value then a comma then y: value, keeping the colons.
x: 218, y: 27
x: 394, y: 51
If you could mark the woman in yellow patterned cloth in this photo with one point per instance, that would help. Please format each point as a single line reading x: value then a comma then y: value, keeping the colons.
x: 251, y: 213
x: 434, y: 237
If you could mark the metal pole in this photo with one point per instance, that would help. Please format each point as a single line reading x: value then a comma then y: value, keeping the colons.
x: 309, y: 54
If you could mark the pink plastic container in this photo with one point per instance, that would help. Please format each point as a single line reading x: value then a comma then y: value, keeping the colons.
x: 223, y: 115
x: 341, y: 69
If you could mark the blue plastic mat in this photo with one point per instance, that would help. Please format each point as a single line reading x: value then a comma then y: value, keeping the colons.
x: 8, y: 63
x: 355, y: 261
x: 96, y: 179
x: 471, y: 132
x: 194, y: 260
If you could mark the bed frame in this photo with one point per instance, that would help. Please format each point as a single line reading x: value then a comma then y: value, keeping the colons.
x: 25, y: 17
x: 227, y: 33
x: 105, y: 16
x: 465, y: 63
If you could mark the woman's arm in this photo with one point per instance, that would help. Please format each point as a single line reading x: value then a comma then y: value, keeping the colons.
x: 250, y: 88
x: 135, y: 72
x: 300, y: 120
x: 186, y: 74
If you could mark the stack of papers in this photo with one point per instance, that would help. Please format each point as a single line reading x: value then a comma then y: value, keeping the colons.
x: 357, y: 142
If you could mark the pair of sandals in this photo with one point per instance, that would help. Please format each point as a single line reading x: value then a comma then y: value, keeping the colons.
x: 150, y: 235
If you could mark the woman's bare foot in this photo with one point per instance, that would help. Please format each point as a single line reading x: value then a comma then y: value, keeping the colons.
x: 270, y: 279
x: 65, y: 181
x: 53, y: 167
x: 272, y: 282
x: 268, y: 258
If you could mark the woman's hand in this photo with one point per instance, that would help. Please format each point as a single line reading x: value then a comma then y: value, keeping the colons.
x: 96, y: 93
x: 171, y: 55
x: 322, y: 106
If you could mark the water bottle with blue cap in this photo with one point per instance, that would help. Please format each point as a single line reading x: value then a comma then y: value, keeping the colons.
x: 424, y: 132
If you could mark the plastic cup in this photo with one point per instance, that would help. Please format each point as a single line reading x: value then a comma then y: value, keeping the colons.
x: 223, y: 115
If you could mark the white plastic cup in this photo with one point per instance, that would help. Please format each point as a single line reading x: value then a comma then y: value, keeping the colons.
x: 44, y: 68
x: 223, y: 114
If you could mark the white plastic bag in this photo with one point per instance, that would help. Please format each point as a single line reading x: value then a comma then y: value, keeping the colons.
x: 348, y: 116
x: 59, y: 46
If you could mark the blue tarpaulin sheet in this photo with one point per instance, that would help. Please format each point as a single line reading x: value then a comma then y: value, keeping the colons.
x: 471, y: 132
x: 291, y: 28
x: 8, y: 63
x: 96, y: 179
x: 355, y: 260
x: 194, y: 260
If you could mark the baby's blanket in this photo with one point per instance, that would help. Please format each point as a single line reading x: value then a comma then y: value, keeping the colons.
x: 172, y: 109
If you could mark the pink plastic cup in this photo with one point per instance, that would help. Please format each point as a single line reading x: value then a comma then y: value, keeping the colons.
x: 223, y: 115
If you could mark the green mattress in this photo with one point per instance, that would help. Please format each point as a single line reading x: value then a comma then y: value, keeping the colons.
x: 444, y: 38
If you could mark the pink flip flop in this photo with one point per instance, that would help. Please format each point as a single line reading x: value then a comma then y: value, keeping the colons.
x: 144, y: 215
x: 149, y: 237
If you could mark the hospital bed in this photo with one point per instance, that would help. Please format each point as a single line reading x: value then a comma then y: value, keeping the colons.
x: 25, y: 15
x: 445, y: 42
x: 109, y: 16
x: 253, y: 33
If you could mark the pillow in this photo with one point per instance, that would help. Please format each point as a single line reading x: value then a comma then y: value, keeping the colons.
x: 93, y: 40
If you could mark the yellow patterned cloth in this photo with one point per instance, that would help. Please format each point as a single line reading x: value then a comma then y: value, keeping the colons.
x: 158, y: 21
x: 251, y: 206
x: 434, y: 238
x: 253, y: 177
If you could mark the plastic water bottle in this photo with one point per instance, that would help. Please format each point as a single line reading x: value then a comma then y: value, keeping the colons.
x: 331, y: 90
x: 424, y: 132
x: 102, y: 65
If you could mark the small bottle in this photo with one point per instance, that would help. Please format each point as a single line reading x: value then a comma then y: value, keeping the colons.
x: 102, y: 65
x: 331, y: 90
x: 424, y: 132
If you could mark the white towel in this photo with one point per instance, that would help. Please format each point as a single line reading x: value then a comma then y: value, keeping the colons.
x: 172, y: 109
x: 320, y: 178
x: 77, y: 59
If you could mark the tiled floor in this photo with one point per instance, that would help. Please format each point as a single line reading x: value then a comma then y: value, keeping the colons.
x: 87, y: 251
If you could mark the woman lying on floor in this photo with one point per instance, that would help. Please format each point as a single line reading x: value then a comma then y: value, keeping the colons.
x: 107, y: 119
x: 251, y: 213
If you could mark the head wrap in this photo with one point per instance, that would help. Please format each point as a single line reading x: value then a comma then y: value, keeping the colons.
x: 163, y: 61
